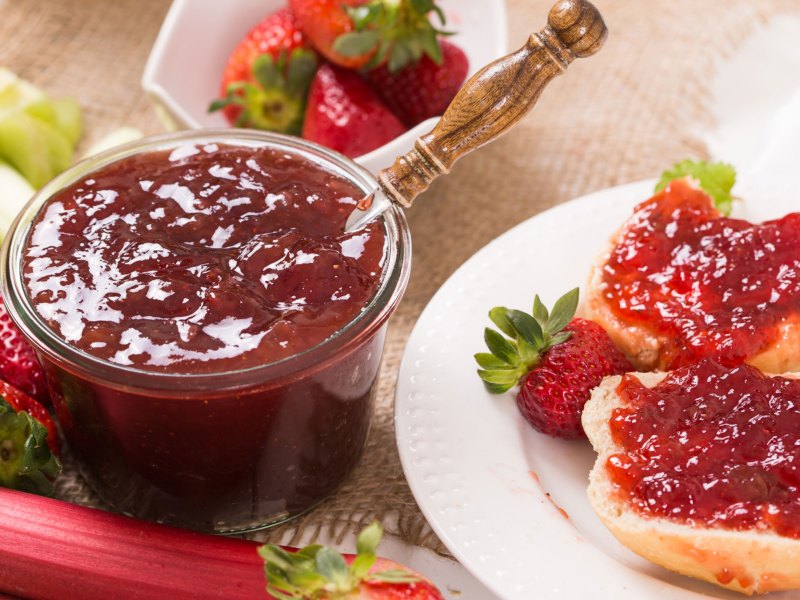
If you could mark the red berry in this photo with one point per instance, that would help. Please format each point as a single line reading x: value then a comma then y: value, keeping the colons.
x: 298, y: 574
x: 18, y: 363
x: 18, y: 401
x: 323, y: 21
x: 553, y: 394
x: 557, y: 361
x: 425, y: 89
x: 260, y: 88
x: 28, y: 444
x: 358, y: 34
x: 344, y: 114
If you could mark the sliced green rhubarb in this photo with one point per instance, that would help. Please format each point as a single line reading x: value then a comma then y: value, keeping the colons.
x: 36, y: 149
x: 37, y: 134
x: 120, y: 136
x: 62, y: 113
x: 15, y: 191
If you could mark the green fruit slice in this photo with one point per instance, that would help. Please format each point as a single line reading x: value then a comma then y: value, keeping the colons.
x: 37, y: 150
x: 16, y: 94
x: 15, y: 191
x: 62, y: 113
x: 120, y: 136
x: 37, y: 134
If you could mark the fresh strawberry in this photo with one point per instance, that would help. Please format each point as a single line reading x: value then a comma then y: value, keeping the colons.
x: 18, y: 363
x: 266, y: 79
x: 345, y: 114
x: 424, y: 89
x: 28, y: 443
x: 556, y: 360
x: 365, y: 33
x: 319, y: 573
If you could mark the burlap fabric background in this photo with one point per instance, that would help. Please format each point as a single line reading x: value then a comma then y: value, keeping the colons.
x: 621, y: 116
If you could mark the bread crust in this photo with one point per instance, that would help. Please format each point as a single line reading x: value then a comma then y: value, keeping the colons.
x: 646, y: 349
x: 642, y: 346
x: 745, y: 561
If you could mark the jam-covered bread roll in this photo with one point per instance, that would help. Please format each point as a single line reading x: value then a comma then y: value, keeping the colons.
x: 698, y: 471
x: 681, y: 282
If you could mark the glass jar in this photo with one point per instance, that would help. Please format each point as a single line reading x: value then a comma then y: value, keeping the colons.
x: 221, y: 452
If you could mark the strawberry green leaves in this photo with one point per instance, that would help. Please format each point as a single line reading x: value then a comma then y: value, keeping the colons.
x: 715, y: 179
x: 276, y: 99
x: 317, y: 572
x: 26, y: 462
x: 529, y: 337
x: 398, y: 33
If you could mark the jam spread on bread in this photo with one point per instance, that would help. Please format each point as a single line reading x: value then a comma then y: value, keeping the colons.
x: 202, y: 259
x: 709, y: 285
x: 711, y: 445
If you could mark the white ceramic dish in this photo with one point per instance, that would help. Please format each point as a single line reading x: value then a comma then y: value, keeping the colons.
x: 469, y: 456
x: 183, y: 72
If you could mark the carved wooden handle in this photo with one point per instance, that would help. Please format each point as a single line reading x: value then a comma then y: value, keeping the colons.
x: 496, y: 97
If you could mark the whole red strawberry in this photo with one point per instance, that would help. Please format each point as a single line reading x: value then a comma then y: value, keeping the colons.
x: 28, y: 443
x: 345, y: 114
x: 424, y: 89
x: 320, y: 573
x: 358, y: 34
x: 18, y: 363
x: 266, y: 78
x: 556, y: 360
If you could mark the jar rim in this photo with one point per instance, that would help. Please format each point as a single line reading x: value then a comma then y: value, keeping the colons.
x: 394, y: 278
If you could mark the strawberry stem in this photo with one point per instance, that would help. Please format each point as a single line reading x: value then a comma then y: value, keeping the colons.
x: 26, y: 462
x: 395, y: 32
x: 316, y: 572
x: 531, y: 335
x: 276, y: 98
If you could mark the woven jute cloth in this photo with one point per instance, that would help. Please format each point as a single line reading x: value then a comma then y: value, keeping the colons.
x: 620, y: 116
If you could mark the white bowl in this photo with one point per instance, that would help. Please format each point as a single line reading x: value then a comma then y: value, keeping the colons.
x: 183, y: 72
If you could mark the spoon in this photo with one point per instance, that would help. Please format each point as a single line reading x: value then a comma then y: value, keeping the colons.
x: 488, y: 105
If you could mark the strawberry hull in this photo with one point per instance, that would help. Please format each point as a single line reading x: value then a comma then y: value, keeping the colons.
x: 221, y: 433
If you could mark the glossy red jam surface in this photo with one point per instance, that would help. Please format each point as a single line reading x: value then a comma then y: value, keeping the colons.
x: 204, y: 259
x: 711, y: 285
x: 210, y: 259
x: 711, y: 445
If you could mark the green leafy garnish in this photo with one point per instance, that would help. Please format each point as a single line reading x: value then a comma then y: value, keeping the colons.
x: 316, y: 572
x: 528, y: 337
x: 715, y: 179
x: 26, y: 462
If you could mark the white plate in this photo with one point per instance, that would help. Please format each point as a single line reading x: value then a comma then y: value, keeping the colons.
x: 469, y: 456
x: 185, y: 65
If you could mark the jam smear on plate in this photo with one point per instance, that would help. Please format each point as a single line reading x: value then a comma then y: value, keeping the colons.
x: 711, y: 285
x: 202, y: 259
x: 711, y: 445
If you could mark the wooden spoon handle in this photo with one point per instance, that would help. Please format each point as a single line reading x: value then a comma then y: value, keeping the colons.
x: 496, y: 97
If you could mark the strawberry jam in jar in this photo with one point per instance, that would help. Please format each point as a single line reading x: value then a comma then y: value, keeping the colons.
x: 211, y: 335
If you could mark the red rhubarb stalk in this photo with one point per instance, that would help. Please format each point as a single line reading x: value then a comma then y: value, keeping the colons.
x: 52, y: 549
